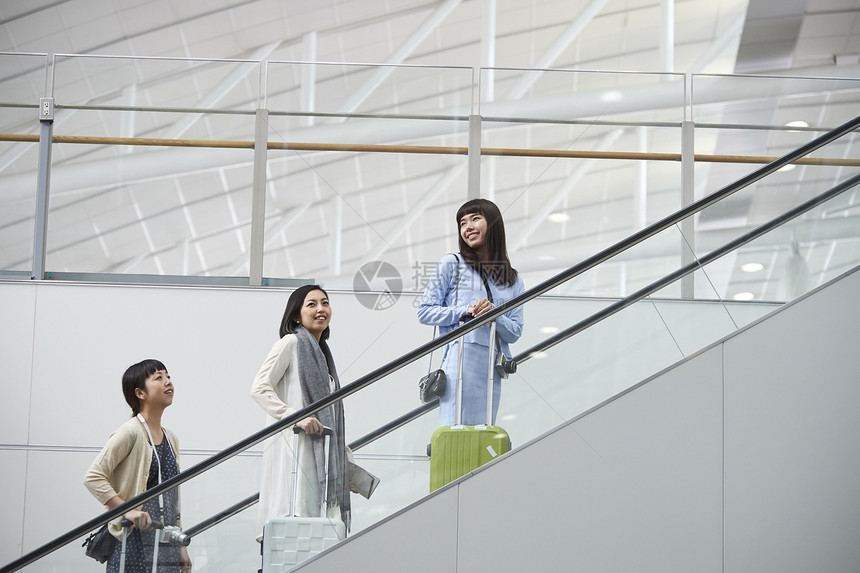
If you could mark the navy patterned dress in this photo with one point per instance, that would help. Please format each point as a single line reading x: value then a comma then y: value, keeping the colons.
x: 139, y: 546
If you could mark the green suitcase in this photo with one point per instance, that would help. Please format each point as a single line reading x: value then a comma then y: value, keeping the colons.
x: 457, y: 450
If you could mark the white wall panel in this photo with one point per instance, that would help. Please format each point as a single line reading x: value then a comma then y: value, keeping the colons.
x: 621, y: 489
x: 12, y: 484
x: 792, y: 450
x: 17, y: 305
x: 211, y: 342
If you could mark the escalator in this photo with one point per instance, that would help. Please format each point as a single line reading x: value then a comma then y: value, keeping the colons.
x: 586, y: 354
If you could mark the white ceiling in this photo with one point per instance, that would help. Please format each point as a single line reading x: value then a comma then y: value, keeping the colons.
x: 152, y: 210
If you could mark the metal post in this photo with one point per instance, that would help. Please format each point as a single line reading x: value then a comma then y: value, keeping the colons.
x: 46, y: 134
x: 688, y: 230
x: 667, y: 37
x: 490, y: 373
x: 474, y: 156
x: 258, y: 198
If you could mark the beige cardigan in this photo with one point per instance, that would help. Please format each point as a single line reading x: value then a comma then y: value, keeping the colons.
x: 122, y: 467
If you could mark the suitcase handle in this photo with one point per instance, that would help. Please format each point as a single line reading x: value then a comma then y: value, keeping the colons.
x: 326, y: 431
x: 327, y: 434
x: 458, y: 414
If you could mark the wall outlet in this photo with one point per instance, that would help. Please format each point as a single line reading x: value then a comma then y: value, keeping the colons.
x: 46, y: 108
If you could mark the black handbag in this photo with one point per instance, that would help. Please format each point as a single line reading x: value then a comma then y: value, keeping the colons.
x: 100, y: 545
x: 432, y: 386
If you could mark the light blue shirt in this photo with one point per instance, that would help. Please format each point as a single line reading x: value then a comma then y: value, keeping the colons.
x: 444, y: 302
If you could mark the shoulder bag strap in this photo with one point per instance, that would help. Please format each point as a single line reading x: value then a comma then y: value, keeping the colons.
x: 456, y: 294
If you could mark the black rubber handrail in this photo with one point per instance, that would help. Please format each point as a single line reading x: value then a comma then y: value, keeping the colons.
x: 434, y: 344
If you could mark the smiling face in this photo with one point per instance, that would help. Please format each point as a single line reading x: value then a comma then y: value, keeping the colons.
x: 157, y: 391
x: 473, y: 230
x: 315, y: 313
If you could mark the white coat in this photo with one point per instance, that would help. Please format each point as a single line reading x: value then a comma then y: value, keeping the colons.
x: 277, y: 390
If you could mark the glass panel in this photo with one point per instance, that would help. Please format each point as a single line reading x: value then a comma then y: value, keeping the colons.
x: 105, y: 81
x: 566, y: 159
x: 139, y: 207
x: 177, y: 222
x: 761, y: 117
x: 353, y: 209
x: 23, y: 83
x: 304, y: 89
x: 772, y: 267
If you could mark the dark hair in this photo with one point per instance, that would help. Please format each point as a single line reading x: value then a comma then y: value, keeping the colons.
x: 497, y: 267
x: 294, y: 306
x: 289, y: 325
x: 135, y: 377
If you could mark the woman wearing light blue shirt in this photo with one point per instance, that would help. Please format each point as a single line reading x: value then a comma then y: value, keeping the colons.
x: 460, y: 287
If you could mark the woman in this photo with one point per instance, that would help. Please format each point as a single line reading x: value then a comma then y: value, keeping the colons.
x: 472, y: 283
x: 299, y: 371
x: 139, y: 455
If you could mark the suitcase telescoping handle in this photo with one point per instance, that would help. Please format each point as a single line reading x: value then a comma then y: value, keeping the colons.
x: 327, y: 432
x: 458, y: 417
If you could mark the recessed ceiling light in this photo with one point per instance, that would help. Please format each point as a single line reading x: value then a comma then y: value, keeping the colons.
x: 613, y: 95
x: 799, y: 123
x: 559, y: 217
x: 744, y: 296
x: 752, y: 267
x: 549, y: 329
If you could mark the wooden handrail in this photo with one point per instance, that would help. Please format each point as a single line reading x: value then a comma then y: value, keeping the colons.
x: 425, y: 149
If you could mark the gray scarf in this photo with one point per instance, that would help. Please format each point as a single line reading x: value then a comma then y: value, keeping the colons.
x: 315, y: 365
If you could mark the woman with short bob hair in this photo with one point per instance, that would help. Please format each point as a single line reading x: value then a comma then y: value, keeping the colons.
x: 139, y: 455
x: 298, y: 371
x: 472, y: 282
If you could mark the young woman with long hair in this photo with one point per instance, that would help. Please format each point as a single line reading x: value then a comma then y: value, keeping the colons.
x: 298, y: 371
x: 472, y: 282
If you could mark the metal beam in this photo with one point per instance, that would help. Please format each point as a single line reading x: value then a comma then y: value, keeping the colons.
x: 404, y: 51
x: 309, y: 78
x: 731, y: 34
x: 667, y: 35
x: 547, y: 58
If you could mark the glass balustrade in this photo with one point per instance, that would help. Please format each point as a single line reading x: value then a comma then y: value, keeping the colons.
x: 19, y: 156
x: 363, y: 160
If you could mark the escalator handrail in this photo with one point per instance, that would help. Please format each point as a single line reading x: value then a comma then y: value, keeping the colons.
x: 434, y: 344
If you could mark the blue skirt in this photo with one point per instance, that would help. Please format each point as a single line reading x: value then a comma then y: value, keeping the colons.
x: 474, y: 405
